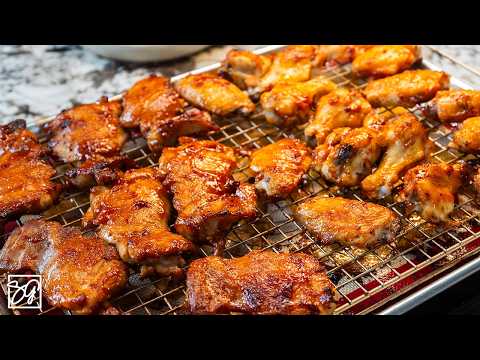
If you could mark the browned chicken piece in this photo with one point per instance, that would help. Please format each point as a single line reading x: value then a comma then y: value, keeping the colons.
x: 348, y: 155
x: 90, y: 137
x: 260, y: 283
x: 377, y: 119
x: 199, y: 176
x: 406, y: 142
x: 215, y: 94
x: 78, y: 272
x: 162, y: 115
x: 292, y: 64
x: 133, y: 215
x: 385, y: 60
x: 332, y: 55
x: 289, y: 104
x: 476, y: 182
x: 348, y: 222
x: 454, y: 105
x: 25, y: 179
x: 467, y: 138
x: 406, y: 89
x: 245, y: 69
x: 280, y: 167
x: 431, y: 190
x: 340, y: 108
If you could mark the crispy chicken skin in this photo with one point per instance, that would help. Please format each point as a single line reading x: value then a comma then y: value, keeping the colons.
x: 280, y: 167
x: 348, y: 222
x: 467, y: 138
x: 289, y: 104
x: 260, y: 283
x: 454, y: 105
x: 476, y: 182
x: 90, y: 137
x: 406, y: 89
x: 348, y: 155
x: 25, y: 179
x: 385, y: 60
x: 340, y: 108
x: 431, y: 190
x: 332, y: 55
x: 215, y: 94
x: 406, y: 142
x: 133, y: 215
x: 153, y: 105
x: 245, y: 69
x: 78, y: 272
x: 199, y: 176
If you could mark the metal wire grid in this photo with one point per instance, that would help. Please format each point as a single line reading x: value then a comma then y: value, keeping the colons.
x: 360, y: 276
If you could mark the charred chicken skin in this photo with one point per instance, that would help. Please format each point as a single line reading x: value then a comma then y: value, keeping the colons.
x: 431, y: 190
x: 289, y: 104
x: 385, y: 60
x: 25, y: 179
x: 340, y: 108
x: 467, y: 138
x: 90, y: 137
x: 199, y: 176
x: 215, y: 94
x: 260, y: 283
x: 406, y: 89
x: 133, y: 215
x: 161, y: 114
x: 406, y: 142
x: 348, y: 222
x: 454, y: 105
x: 78, y: 272
x: 348, y: 155
x: 280, y: 167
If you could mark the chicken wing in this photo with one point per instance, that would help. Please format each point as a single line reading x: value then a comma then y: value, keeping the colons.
x: 476, y: 182
x: 340, y: 108
x: 454, y: 105
x: 467, y: 138
x: 215, y: 94
x: 406, y: 89
x: 133, y: 215
x: 78, y: 272
x: 348, y: 155
x: 280, y: 167
x: 90, y: 137
x: 199, y: 176
x: 385, y: 60
x: 153, y: 105
x: 431, y: 190
x: 260, y: 283
x: 407, y: 143
x: 348, y: 222
x: 25, y: 179
x: 332, y: 55
x: 289, y: 104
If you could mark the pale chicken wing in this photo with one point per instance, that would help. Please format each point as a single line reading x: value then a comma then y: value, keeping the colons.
x: 454, y: 105
x: 467, y: 138
x: 332, y: 55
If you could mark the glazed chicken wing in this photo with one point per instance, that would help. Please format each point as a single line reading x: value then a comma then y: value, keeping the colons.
x: 431, y: 190
x: 199, y: 176
x: 215, y: 94
x: 348, y: 155
x: 90, y: 137
x: 348, y: 222
x: 385, y: 60
x: 280, y: 167
x: 153, y: 105
x: 133, y: 215
x: 25, y: 179
x: 332, y: 55
x: 78, y: 272
x: 406, y: 142
x: 260, y: 283
x: 454, y: 105
x: 289, y: 104
x: 467, y: 138
x: 340, y: 108
x: 406, y: 89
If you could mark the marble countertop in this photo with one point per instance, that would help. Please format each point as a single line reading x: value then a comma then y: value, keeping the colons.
x: 41, y: 80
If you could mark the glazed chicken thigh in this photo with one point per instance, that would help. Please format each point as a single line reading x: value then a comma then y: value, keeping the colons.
x: 280, y: 167
x: 454, y: 105
x: 467, y: 138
